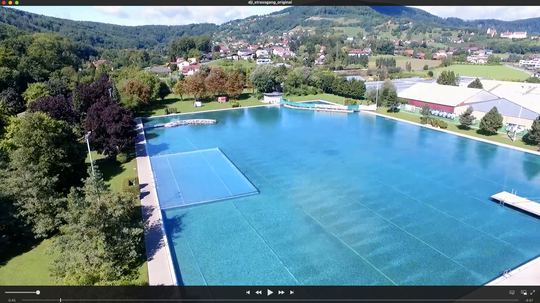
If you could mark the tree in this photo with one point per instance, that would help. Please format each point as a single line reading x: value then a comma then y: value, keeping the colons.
x: 56, y: 87
x: 466, y: 119
x: 174, y: 67
x: 425, y: 114
x: 12, y: 101
x: 133, y: 93
x: 533, y: 134
x: 408, y: 66
x: 426, y: 67
x: 85, y: 95
x: 491, y: 122
x: 476, y: 84
x: 194, y: 53
x: 430, y: 74
x: 235, y: 84
x: 194, y: 85
x: 371, y: 95
x: 388, y: 95
x: 111, y: 127
x: 178, y: 89
x: 46, y: 160
x: 263, y: 78
x: 164, y: 90
x: 215, y: 82
x: 448, y: 78
x: 35, y: 91
x: 494, y: 60
x: 100, y: 242
x: 57, y: 107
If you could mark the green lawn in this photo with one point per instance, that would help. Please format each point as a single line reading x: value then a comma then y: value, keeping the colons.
x: 244, y: 63
x: 398, y: 58
x: 497, y: 72
x: 29, y: 268
x: 324, y: 97
x: 437, y: 44
x: 500, y: 138
x: 186, y: 105
x: 351, y: 31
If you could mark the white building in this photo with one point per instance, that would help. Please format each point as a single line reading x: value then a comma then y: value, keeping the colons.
x: 272, y: 98
x: 530, y: 64
x: 514, y: 35
x: 261, y: 53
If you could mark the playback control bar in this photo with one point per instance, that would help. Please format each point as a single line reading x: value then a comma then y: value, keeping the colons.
x: 139, y: 294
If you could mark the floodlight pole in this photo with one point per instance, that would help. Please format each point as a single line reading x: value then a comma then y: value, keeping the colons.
x: 87, y: 137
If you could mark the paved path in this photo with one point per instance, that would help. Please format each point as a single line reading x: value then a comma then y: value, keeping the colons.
x: 520, y: 69
x: 160, y: 266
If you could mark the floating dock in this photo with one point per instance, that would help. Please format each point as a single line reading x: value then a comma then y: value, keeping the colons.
x: 183, y: 122
x: 506, y: 198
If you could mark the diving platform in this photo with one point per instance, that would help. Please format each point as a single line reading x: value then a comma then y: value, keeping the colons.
x: 524, y: 204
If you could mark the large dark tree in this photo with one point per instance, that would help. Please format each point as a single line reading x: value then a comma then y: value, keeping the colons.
x: 58, y: 108
x: 448, y: 78
x: 111, y: 126
x: 533, y: 135
x: 46, y: 160
x: 491, y: 122
x: 466, y: 119
x: 101, y: 239
x: 475, y: 84
x: 12, y: 100
x: 85, y: 95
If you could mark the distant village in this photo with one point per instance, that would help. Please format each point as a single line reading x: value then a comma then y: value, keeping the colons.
x: 278, y: 47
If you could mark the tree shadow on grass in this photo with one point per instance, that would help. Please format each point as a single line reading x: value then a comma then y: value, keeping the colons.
x: 461, y: 127
x: 109, y: 168
x: 19, y: 241
x: 244, y: 96
x: 485, y: 133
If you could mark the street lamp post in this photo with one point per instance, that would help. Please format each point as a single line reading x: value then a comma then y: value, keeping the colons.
x: 87, y: 137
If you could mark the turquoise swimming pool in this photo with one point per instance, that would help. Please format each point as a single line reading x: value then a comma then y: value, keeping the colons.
x: 349, y: 199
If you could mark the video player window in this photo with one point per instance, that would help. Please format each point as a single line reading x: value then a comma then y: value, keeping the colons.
x: 269, y: 150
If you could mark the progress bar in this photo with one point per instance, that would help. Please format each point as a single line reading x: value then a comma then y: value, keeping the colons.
x: 273, y: 300
x: 37, y: 292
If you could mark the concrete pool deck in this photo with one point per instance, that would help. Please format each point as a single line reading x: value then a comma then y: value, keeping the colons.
x: 160, y: 266
x: 526, y: 274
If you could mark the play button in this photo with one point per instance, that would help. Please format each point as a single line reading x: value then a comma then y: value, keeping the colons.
x: 269, y: 292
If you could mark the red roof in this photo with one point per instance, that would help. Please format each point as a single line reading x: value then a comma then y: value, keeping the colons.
x: 409, y: 51
x: 520, y: 33
x: 224, y: 48
x: 442, y: 51
x: 186, y: 69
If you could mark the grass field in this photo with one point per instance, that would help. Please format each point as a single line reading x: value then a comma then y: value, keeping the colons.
x: 186, y: 105
x: 497, y: 72
x: 437, y: 44
x: 351, y: 31
x: 220, y: 62
x: 499, y: 138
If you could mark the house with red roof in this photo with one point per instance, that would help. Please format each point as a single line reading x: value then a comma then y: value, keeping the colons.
x: 514, y: 35
x: 408, y: 52
x: 224, y: 49
x: 190, y: 70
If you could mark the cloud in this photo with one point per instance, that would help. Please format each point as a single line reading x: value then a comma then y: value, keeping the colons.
x: 116, y: 11
x: 178, y: 15
x: 506, y: 13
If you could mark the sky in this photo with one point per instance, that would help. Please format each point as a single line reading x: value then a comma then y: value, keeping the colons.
x: 178, y: 15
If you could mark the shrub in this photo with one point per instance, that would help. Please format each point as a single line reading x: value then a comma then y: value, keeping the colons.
x: 430, y: 73
x: 443, y: 124
x: 170, y: 110
x: 426, y: 67
x: 122, y: 158
x: 434, y: 122
x: 235, y: 104
x: 424, y: 120
x: 130, y: 186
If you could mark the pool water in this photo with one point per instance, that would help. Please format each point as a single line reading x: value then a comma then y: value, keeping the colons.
x: 349, y: 199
